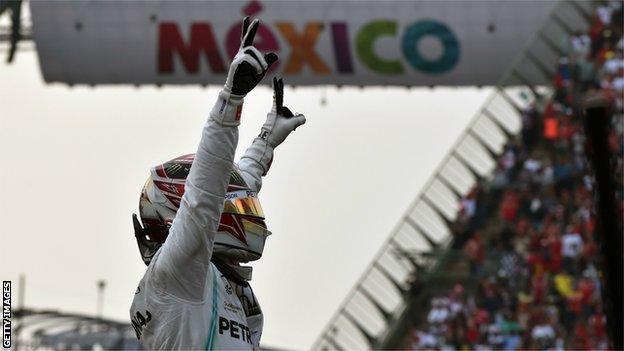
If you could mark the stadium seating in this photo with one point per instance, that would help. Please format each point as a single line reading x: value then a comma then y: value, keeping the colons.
x: 532, y: 252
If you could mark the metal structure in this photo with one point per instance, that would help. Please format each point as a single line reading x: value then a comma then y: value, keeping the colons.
x: 377, y: 306
x: 49, y: 329
x: 18, y: 29
x: 54, y: 330
x: 609, y: 227
x: 346, y: 43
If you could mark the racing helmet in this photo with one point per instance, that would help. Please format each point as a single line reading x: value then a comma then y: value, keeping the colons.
x: 241, y: 233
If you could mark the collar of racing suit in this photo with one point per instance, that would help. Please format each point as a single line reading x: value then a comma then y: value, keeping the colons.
x: 238, y: 274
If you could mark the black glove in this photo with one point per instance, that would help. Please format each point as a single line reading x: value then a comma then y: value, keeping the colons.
x: 248, y: 66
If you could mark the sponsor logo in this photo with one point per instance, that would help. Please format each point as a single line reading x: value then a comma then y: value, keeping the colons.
x: 239, y: 110
x: 222, y: 108
x: 232, y: 307
x: 139, y: 322
x: 6, y: 314
x: 240, y: 194
x: 235, y: 329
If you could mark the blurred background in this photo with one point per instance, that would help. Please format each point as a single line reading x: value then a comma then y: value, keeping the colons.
x: 452, y: 189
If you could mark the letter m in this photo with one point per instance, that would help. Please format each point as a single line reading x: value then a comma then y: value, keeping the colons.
x: 201, y: 40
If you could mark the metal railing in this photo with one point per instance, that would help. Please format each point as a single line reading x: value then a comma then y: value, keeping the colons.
x: 51, y: 329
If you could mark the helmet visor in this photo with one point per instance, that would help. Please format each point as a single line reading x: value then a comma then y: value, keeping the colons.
x: 243, y: 203
x: 255, y: 228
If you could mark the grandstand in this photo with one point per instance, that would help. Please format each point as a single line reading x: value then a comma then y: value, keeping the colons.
x: 499, y: 250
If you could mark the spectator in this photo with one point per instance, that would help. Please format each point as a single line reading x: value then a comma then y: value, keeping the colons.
x: 534, y: 262
x: 476, y: 254
x: 543, y: 337
x: 438, y: 313
x: 571, y: 248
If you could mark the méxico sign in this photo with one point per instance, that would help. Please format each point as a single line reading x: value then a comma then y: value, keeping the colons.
x: 332, y: 42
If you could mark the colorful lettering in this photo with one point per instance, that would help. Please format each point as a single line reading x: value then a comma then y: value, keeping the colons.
x: 201, y: 40
x: 342, y: 50
x: 365, y: 41
x: 302, y: 48
x: 265, y: 41
x: 450, y: 53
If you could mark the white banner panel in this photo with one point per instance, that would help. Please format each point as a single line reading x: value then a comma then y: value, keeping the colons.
x: 319, y: 42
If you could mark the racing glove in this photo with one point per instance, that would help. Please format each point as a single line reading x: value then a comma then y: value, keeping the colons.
x: 279, y: 124
x: 280, y: 121
x: 246, y: 70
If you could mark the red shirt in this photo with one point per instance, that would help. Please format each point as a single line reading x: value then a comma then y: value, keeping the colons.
x: 599, y: 325
x: 555, y: 255
x: 509, y: 207
x: 574, y: 303
x: 586, y: 287
x: 551, y: 128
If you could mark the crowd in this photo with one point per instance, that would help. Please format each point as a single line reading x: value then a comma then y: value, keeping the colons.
x: 537, y: 275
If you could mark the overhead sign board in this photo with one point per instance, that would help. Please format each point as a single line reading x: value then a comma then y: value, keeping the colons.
x: 319, y: 42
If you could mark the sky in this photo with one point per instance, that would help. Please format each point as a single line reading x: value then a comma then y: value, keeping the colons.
x: 75, y: 160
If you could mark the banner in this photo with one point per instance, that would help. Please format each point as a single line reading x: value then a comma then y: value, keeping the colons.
x: 319, y: 42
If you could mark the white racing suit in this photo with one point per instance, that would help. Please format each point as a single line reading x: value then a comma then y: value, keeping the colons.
x: 183, y: 300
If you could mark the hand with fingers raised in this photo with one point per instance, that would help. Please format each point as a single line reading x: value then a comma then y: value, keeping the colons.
x: 248, y: 66
x: 280, y: 121
x: 279, y: 124
x: 246, y: 70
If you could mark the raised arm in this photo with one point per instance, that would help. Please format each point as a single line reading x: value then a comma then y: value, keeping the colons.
x: 280, y: 122
x: 181, y: 267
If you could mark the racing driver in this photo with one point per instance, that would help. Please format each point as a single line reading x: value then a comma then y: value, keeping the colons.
x: 195, y: 292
